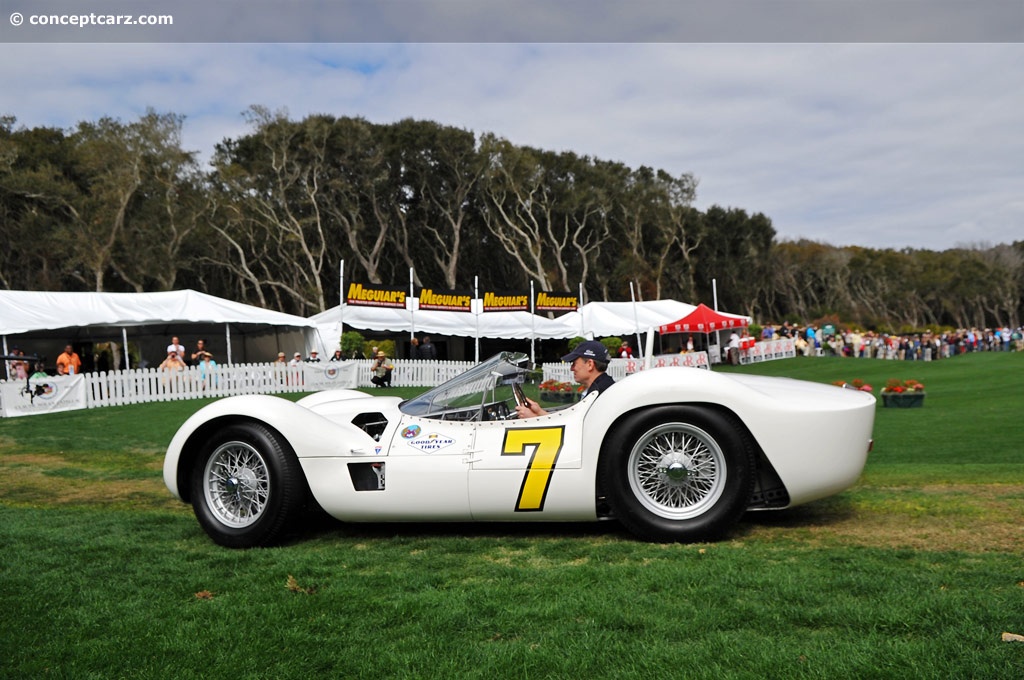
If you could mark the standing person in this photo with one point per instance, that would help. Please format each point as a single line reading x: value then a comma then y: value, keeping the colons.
x: 427, y: 350
x: 313, y: 357
x: 177, y: 348
x: 414, y: 348
x: 588, y: 363
x: 18, y: 369
x: 198, y: 352
x: 207, y: 368
x: 173, y: 362
x: 734, y: 349
x: 381, y: 369
x: 40, y: 371
x: 338, y: 356
x: 69, y: 363
x: 625, y: 351
x: 296, y: 359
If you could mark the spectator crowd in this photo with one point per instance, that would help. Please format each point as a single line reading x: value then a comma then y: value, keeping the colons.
x: 927, y: 346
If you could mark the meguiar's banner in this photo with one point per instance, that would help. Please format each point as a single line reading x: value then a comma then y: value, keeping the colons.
x: 445, y: 300
x: 556, y: 302
x: 372, y: 295
x: 506, y: 301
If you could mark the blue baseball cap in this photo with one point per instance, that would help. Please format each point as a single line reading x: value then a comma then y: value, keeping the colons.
x: 591, y: 349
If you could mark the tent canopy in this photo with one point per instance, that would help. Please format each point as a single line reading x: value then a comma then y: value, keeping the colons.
x: 23, y: 311
x: 703, y: 319
x: 46, y: 320
x: 600, y: 319
x: 501, y: 325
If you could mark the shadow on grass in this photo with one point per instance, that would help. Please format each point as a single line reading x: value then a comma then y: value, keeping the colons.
x: 818, y: 514
x: 321, y: 527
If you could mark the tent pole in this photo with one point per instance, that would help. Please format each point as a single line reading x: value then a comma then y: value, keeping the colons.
x: 533, y: 311
x: 583, y: 324
x: 476, y: 317
x: 127, y: 357
x: 636, y: 320
x: 412, y: 311
x: 227, y: 340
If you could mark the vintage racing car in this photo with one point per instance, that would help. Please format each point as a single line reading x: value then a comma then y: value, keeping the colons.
x: 673, y: 454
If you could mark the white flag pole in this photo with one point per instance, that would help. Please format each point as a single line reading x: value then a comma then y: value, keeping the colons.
x: 341, y: 301
x: 475, y: 308
x: 636, y: 320
x: 533, y: 325
x: 583, y: 323
x: 412, y: 304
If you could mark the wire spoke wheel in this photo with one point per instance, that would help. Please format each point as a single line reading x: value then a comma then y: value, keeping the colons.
x: 247, y: 486
x: 677, y: 471
x: 236, y: 484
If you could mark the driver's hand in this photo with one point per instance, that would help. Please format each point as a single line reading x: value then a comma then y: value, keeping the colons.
x: 531, y: 410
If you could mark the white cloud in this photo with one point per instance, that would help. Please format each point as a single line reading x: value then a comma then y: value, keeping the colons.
x: 875, y: 145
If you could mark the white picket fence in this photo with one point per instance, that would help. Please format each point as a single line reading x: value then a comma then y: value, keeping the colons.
x: 137, y: 386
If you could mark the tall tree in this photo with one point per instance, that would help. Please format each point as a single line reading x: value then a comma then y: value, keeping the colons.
x: 549, y: 212
x: 438, y: 171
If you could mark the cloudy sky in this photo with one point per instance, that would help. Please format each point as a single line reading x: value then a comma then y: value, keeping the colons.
x: 875, y: 144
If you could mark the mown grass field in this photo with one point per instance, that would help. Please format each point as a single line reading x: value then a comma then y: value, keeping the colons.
x: 916, y: 571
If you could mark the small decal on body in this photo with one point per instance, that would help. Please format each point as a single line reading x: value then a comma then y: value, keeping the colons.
x: 411, y: 432
x: 432, y: 442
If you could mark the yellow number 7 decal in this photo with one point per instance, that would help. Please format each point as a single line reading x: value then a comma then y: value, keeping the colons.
x: 544, y: 445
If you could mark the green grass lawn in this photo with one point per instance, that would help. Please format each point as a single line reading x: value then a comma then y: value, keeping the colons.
x: 914, y: 572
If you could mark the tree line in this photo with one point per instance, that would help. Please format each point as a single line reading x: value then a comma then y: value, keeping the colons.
x: 122, y: 206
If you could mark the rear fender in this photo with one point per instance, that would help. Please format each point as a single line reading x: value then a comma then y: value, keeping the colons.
x: 307, y: 433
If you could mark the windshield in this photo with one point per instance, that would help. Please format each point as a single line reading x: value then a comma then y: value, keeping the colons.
x: 475, y: 394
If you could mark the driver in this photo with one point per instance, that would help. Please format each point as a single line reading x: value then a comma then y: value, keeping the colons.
x: 588, y: 362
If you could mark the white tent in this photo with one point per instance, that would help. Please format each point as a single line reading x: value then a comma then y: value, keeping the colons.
x: 595, y: 319
x: 603, y: 319
x: 48, y: 318
x: 503, y: 325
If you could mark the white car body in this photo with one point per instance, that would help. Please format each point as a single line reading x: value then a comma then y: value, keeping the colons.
x: 374, y: 459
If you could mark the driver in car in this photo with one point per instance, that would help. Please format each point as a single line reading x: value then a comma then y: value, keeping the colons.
x: 588, y: 362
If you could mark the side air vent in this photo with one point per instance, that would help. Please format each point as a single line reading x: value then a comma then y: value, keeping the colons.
x: 367, y: 476
x: 372, y: 424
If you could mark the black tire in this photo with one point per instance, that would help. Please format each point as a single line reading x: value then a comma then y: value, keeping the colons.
x: 247, y: 486
x: 678, y: 473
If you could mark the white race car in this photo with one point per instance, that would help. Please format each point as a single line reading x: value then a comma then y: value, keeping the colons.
x: 673, y: 454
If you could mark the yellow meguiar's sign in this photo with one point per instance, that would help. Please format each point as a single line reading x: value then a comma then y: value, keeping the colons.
x: 447, y: 300
x: 556, y: 302
x: 376, y: 296
x: 506, y: 302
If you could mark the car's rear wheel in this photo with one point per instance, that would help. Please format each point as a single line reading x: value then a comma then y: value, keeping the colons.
x: 247, y: 486
x: 678, y: 473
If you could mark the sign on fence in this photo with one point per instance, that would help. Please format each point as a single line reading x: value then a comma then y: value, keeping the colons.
x: 42, y: 395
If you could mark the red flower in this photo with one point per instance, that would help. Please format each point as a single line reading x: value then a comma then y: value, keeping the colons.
x: 897, y: 386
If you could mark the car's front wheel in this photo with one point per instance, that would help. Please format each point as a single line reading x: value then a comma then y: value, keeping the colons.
x: 678, y: 473
x: 247, y: 486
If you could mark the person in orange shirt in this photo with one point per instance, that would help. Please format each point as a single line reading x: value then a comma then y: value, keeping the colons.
x: 69, y: 363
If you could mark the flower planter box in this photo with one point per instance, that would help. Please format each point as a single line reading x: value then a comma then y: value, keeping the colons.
x: 552, y: 396
x: 903, y: 399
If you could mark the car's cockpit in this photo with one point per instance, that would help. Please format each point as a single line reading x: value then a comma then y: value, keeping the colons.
x: 485, y: 392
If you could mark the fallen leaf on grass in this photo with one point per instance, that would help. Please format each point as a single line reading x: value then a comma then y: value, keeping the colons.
x: 293, y: 585
x: 1012, y: 637
x: 204, y: 595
